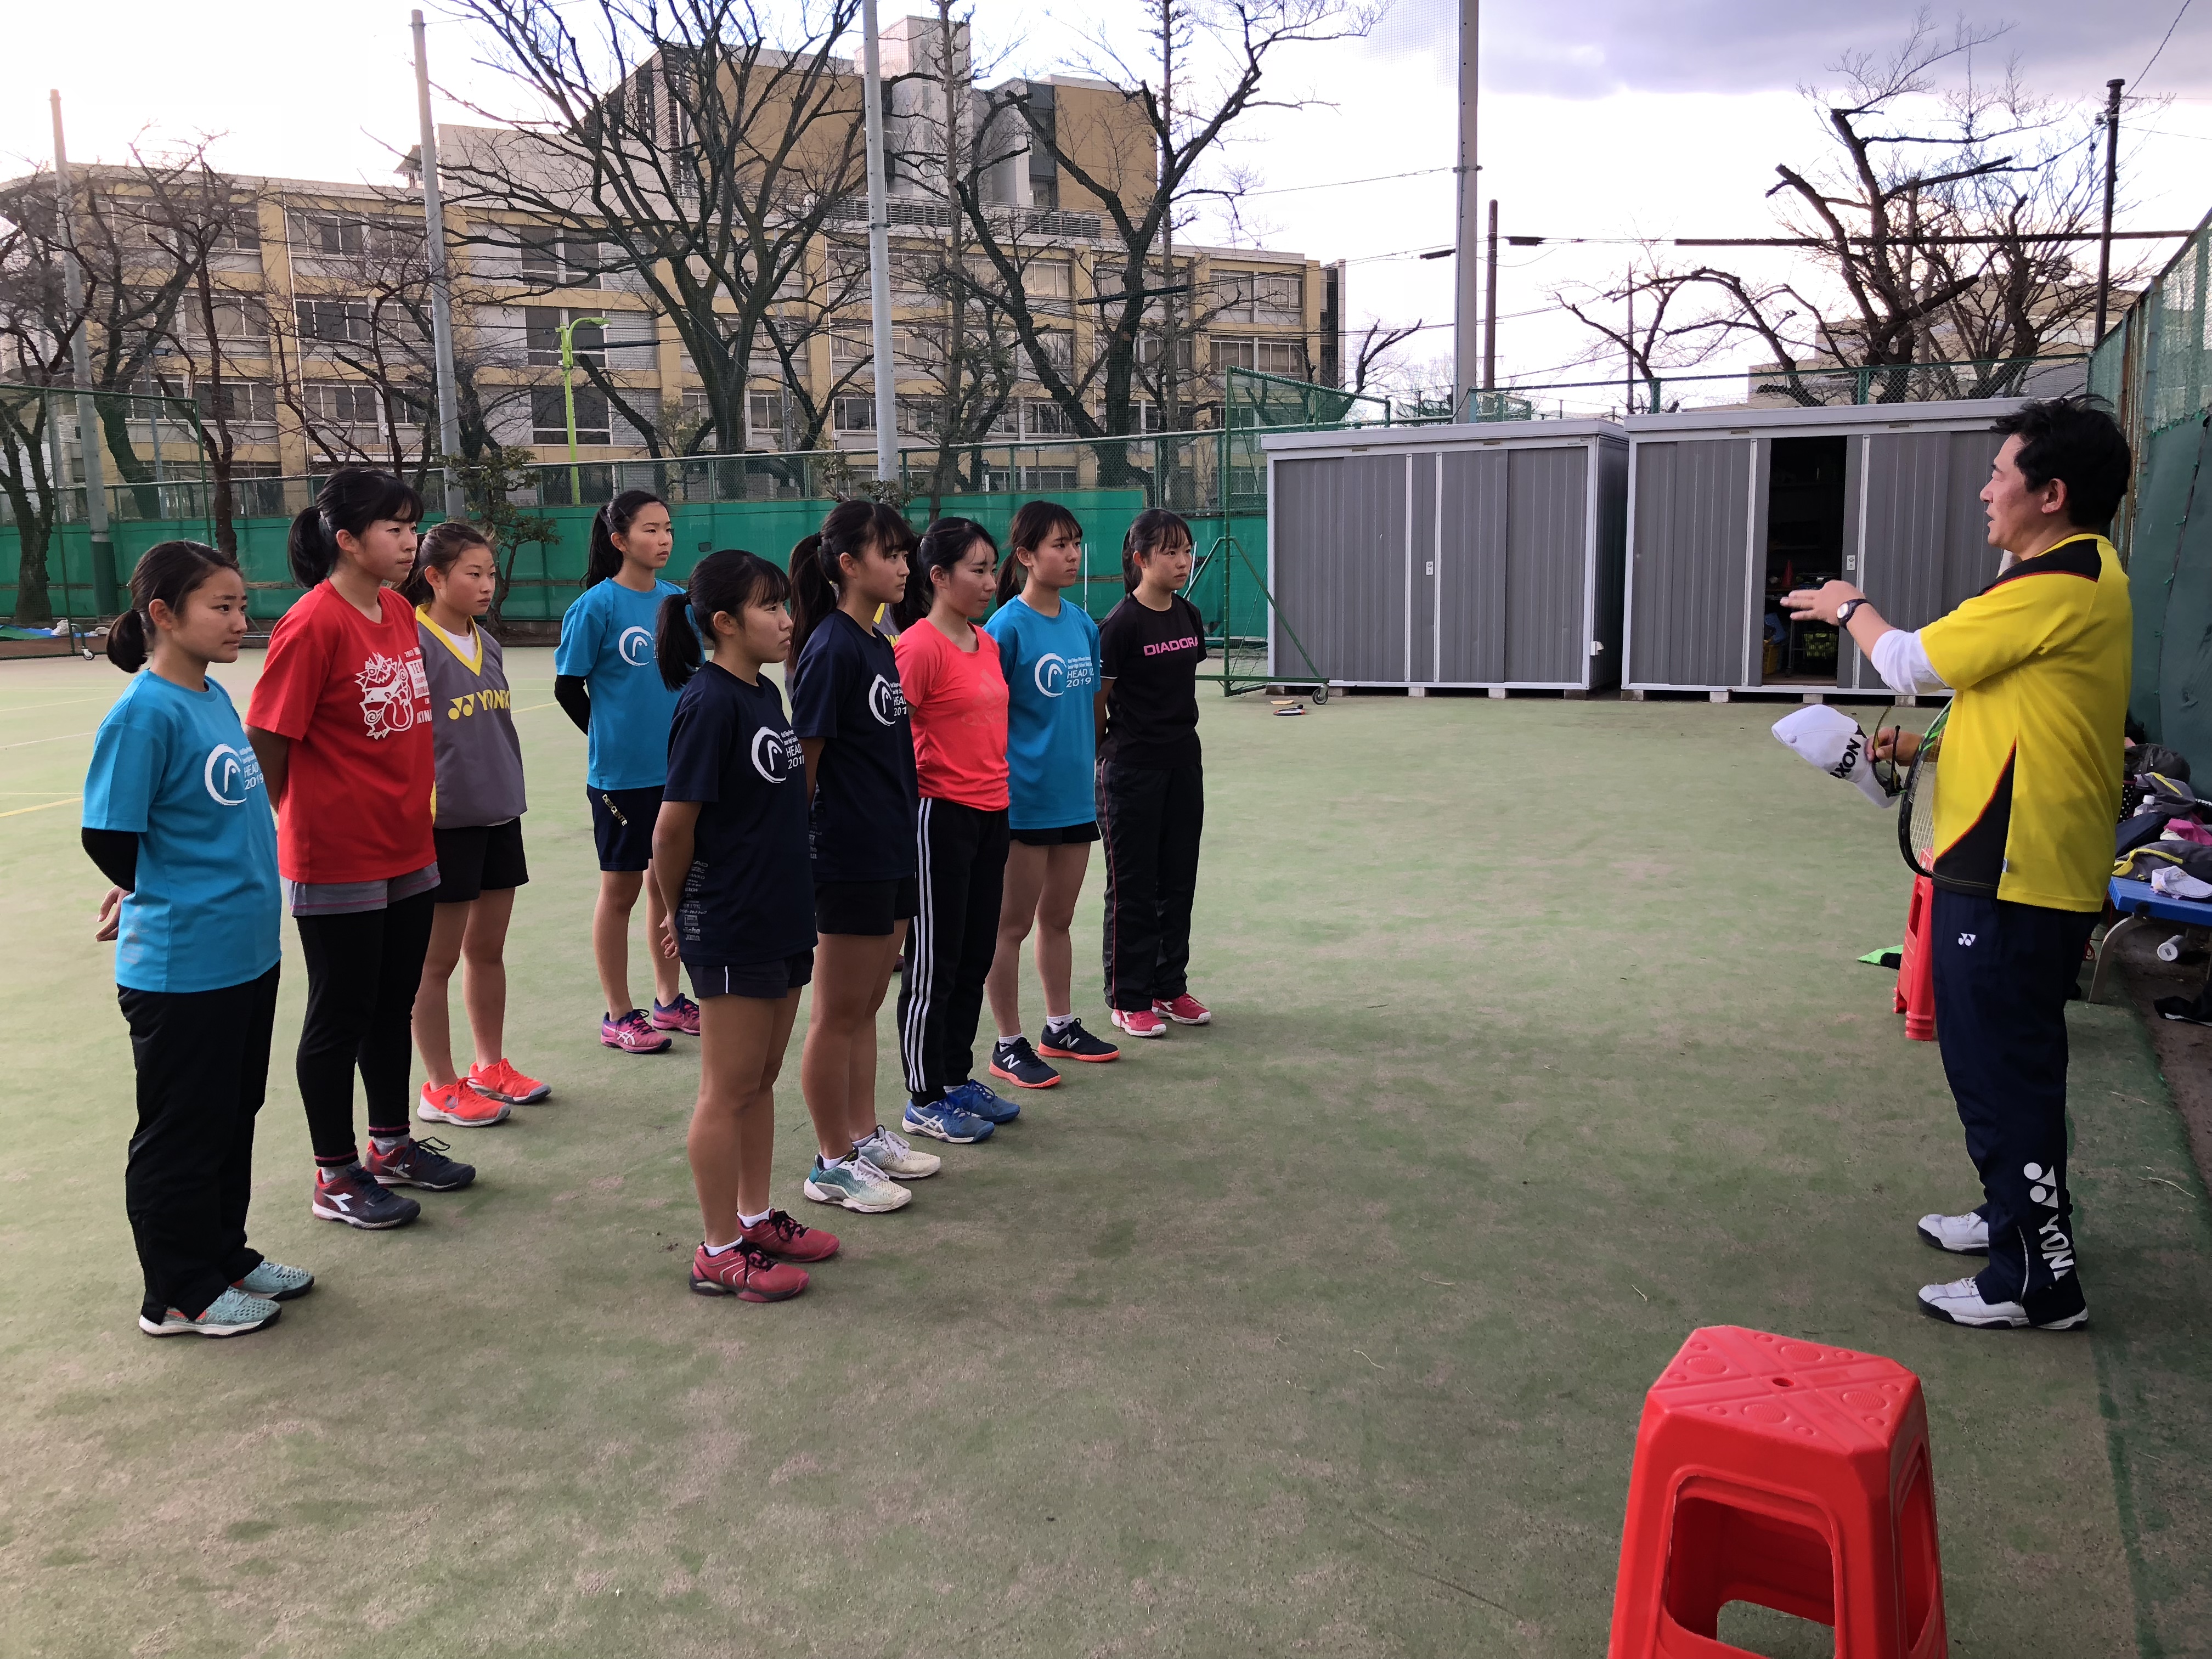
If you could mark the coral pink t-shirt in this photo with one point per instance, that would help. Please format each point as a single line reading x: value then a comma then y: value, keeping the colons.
x: 352, y: 696
x: 957, y: 703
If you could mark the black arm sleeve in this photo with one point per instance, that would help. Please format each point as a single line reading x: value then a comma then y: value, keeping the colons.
x: 115, y: 853
x: 575, y: 701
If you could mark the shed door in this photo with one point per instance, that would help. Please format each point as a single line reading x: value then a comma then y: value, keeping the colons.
x: 1339, y: 565
x: 1689, y: 524
x: 1421, y: 571
x: 1471, y: 567
x: 1546, y: 548
x: 1924, y: 546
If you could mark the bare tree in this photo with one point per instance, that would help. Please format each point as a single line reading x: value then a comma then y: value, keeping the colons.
x: 709, y: 156
x: 1182, y: 114
x: 36, y: 327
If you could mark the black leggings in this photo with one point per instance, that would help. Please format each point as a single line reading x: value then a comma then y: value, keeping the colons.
x: 363, y: 973
x: 202, y: 1061
x: 950, y: 945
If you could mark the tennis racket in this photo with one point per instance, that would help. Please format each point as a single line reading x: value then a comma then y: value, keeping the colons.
x: 1916, y: 812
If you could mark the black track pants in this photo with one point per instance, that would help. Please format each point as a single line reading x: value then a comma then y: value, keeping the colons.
x: 203, y: 1062
x: 2002, y: 972
x: 363, y: 973
x: 1151, y: 819
x: 949, y: 946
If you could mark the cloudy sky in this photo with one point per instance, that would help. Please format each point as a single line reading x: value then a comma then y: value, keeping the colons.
x: 1608, y: 118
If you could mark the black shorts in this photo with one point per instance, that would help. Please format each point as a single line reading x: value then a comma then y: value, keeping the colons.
x: 622, y: 824
x: 1072, y: 835
x: 870, y: 909
x: 472, y: 862
x: 771, y: 982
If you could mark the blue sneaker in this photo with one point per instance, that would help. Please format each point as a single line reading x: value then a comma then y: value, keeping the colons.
x: 943, y: 1119
x: 979, y: 1100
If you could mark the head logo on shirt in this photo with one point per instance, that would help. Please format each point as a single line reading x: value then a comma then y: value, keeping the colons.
x: 886, y: 702
x: 635, y: 645
x: 1052, y: 674
x: 229, y: 775
x: 387, y: 696
x: 776, y: 754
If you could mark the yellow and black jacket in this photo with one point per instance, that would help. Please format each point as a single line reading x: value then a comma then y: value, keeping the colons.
x: 2029, y: 782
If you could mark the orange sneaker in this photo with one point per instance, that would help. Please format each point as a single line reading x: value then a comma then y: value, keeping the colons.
x: 457, y: 1102
x: 501, y: 1081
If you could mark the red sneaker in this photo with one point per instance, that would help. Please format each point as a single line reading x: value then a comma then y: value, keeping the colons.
x: 1139, y: 1023
x: 502, y: 1082
x: 785, y: 1240
x: 457, y: 1102
x: 745, y: 1274
x: 1185, y: 1010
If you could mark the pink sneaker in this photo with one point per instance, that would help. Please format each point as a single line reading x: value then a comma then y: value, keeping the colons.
x: 457, y: 1102
x: 502, y: 1082
x: 1185, y: 1010
x: 633, y: 1034
x: 681, y: 1015
x: 1139, y: 1023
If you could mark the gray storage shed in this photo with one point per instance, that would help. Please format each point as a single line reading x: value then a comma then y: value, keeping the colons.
x: 1729, y: 508
x: 1485, y: 555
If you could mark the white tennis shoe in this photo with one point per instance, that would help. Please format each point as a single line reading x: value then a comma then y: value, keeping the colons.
x: 1961, y: 1235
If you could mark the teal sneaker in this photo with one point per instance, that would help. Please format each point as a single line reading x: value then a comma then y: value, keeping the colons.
x: 854, y: 1183
x: 232, y: 1314
x: 276, y: 1282
x: 896, y: 1158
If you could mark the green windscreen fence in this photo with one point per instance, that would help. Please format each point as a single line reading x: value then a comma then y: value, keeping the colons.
x: 2156, y: 369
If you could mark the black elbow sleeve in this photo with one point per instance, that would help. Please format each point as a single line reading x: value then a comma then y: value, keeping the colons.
x: 576, y: 700
x: 115, y: 853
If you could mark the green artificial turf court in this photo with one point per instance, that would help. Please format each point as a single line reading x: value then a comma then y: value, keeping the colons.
x: 1540, y: 1042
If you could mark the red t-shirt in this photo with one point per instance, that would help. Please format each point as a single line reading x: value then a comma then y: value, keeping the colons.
x: 351, y: 696
x: 957, y: 703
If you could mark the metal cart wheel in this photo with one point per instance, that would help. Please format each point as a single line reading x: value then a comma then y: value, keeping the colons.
x: 1320, y: 694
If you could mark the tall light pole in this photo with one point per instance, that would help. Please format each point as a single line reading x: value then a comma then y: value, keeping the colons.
x: 1490, y: 308
x: 1466, y: 290
x: 568, y: 393
x: 442, y: 302
x: 2111, y: 178
x: 879, y: 251
x: 88, y: 416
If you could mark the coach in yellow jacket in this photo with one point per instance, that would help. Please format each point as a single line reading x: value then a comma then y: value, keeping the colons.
x: 2027, y: 797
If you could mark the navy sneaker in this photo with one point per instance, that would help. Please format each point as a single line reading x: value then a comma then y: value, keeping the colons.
x: 1013, y: 1058
x: 980, y: 1100
x: 419, y: 1163
x: 941, y: 1119
x: 1072, y: 1041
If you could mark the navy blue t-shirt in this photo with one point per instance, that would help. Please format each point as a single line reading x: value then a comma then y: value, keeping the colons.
x: 845, y: 690
x: 747, y: 898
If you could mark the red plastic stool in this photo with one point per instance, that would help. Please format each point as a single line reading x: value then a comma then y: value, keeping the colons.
x: 1787, y: 1474
x: 1916, y: 969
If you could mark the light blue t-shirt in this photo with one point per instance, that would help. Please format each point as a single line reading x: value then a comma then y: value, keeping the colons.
x: 606, y: 641
x: 1052, y: 674
x: 174, y: 766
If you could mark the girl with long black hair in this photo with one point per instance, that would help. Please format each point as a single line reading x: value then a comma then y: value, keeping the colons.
x: 1152, y: 785
x: 341, y: 722
x: 957, y: 692
x: 852, y: 725
x: 175, y: 817
x: 730, y: 859
x: 605, y: 678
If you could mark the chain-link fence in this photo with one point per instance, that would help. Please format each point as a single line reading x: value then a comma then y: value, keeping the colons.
x: 63, y: 552
x: 2156, y: 370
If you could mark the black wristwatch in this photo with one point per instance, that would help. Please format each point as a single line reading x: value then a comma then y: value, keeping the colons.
x: 1844, y: 611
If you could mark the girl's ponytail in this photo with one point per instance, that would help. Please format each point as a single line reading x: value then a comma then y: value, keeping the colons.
x: 675, y: 646
x: 611, y: 521
x: 1034, y: 525
x: 351, y: 499
x: 1151, y: 532
x: 847, y: 527
x: 126, y: 641
x: 946, y: 543
x: 171, y: 572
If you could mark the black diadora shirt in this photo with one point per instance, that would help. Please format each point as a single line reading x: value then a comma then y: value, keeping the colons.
x: 747, y: 897
x: 845, y: 690
x: 1152, y: 659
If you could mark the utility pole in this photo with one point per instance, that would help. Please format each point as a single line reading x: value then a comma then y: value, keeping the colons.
x: 1628, y: 382
x: 880, y: 252
x: 568, y: 332
x: 1490, y: 310
x: 1169, y: 415
x: 1466, y: 294
x: 442, y: 302
x: 88, y: 416
x: 2112, y: 180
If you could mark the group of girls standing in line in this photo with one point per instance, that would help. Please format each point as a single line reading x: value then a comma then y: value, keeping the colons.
x: 936, y: 792
x: 380, y: 732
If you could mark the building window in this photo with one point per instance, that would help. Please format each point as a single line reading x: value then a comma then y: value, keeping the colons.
x: 764, y: 411
x: 1058, y: 348
x: 335, y: 321
x: 1286, y: 357
x: 1259, y: 296
x: 239, y: 322
x: 548, y: 418
x: 562, y: 259
x: 854, y: 414
x: 238, y: 403
x: 541, y: 333
x: 353, y: 236
x: 1042, y: 418
x: 849, y: 346
x: 343, y: 402
x: 1149, y: 352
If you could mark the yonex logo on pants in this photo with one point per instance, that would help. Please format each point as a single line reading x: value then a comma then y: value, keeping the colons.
x: 1965, y: 939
